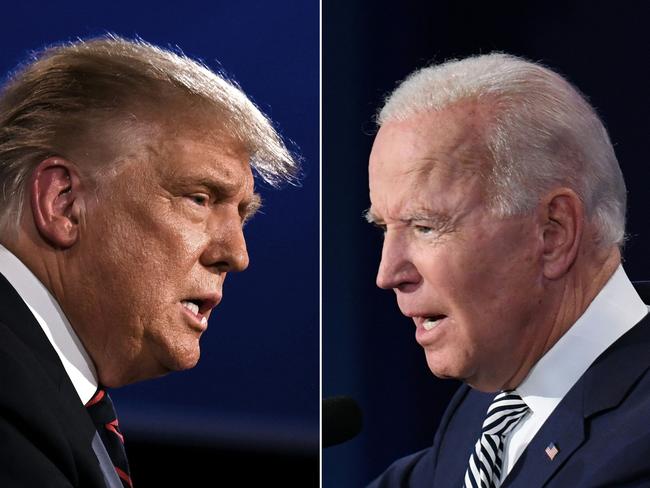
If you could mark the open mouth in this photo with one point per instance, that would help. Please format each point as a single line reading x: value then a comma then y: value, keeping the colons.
x: 431, y: 322
x: 199, y: 308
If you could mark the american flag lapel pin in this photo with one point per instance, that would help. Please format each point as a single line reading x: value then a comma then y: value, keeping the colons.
x: 551, y: 451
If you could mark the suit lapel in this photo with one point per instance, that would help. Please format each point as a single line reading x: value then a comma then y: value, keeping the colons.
x: 62, y: 399
x: 15, y: 315
x: 603, y: 386
x: 565, y: 429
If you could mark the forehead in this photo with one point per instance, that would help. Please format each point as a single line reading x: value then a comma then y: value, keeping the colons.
x: 428, y: 155
x: 453, y: 137
x: 181, y: 154
x: 192, y: 153
x: 179, y: 134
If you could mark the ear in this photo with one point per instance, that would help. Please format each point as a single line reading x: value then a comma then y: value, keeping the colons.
x: 563, y: 213
x: 55, y: 200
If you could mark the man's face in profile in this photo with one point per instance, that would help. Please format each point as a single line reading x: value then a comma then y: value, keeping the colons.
x: 468, y: 279
x: 165, y: 229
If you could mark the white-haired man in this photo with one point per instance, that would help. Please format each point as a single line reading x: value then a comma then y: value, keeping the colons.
x: 503, y: 209
x: 126, y: 177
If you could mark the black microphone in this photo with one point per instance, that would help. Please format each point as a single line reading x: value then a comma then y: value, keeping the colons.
x: 342, y: 420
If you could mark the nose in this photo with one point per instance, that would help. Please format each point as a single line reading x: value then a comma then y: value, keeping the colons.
x: 396, y: 269
x: 226, y: 249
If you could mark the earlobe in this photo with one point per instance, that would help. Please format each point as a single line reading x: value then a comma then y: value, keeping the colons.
x: 563, y: 228
x: 54, y: 196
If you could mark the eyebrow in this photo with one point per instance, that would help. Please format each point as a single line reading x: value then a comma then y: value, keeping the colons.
x: 416, y: 215
x: 428, y: 216
x: 251, y: 207
x: 370, y: 217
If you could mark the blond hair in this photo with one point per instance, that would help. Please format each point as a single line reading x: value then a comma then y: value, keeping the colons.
x: 69, y: 89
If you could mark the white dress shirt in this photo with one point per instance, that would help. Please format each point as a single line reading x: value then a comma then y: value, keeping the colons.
x: 614, y: 311
x: 54, y: 323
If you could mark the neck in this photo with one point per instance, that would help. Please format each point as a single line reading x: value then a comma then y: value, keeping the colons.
x: 568, y: 298
x: 40, y: 258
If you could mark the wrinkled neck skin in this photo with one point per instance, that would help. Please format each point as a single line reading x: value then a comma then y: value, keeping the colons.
x: 567, y: 299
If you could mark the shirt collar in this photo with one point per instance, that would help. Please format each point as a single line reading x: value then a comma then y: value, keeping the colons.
x: 55, y: 325
x: 614, y: 311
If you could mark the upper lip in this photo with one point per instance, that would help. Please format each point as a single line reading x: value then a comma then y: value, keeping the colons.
x: 420, y: 316
x: 205, y: 301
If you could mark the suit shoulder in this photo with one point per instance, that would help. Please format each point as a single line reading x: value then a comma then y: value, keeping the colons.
x: 410, y: 471
x: 419, y: 469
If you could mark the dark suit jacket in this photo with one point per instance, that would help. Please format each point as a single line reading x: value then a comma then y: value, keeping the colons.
x: 601, y: 427
x: 46, y: 435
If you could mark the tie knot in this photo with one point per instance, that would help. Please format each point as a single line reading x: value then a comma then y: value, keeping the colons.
x: 100, y: 408
x: 504, y: 412
x: 101, y: 411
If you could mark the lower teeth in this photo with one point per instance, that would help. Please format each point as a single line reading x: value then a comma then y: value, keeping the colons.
x: 430, y: 324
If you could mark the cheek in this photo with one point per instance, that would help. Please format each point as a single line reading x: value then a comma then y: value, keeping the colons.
x: 502, y: 287
x: 139, y: 269
x: 165, y: 242
x: 480, y: 281
x: 455, y: 269
x: 503, y: 258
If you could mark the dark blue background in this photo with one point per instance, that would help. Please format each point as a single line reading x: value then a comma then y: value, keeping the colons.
x: 257, y: 383
x: 369, y: 350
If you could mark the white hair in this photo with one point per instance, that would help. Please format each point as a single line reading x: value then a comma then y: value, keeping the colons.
x: 541, y: 133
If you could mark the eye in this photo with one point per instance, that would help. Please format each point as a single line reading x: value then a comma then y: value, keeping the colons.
x: 200, y: 199
x: 423, y: 229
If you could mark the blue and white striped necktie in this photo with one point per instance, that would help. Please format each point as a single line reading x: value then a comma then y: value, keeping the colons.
x: 484, y: 470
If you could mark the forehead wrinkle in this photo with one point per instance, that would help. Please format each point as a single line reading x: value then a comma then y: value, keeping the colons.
x: 220, y: 176
x: 465, y: 163
x: 433, y: 180
x: 420, y: 199
x: 179, y: 141
x: 462, y: 148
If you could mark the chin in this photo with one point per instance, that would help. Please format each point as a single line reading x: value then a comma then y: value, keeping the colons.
x: 441, y: 372
x: 445, y: 370
x: 182, y: 359
x: 188, y: 363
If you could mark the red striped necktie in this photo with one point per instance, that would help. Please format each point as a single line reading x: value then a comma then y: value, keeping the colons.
x: 101, y: 411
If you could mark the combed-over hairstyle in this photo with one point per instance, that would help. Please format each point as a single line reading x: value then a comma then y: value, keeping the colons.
x: 540, y: 131
x: 70, y: 89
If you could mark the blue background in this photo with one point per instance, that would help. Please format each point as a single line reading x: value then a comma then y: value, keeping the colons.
x: 369, y: 349
x: 257, y: 383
